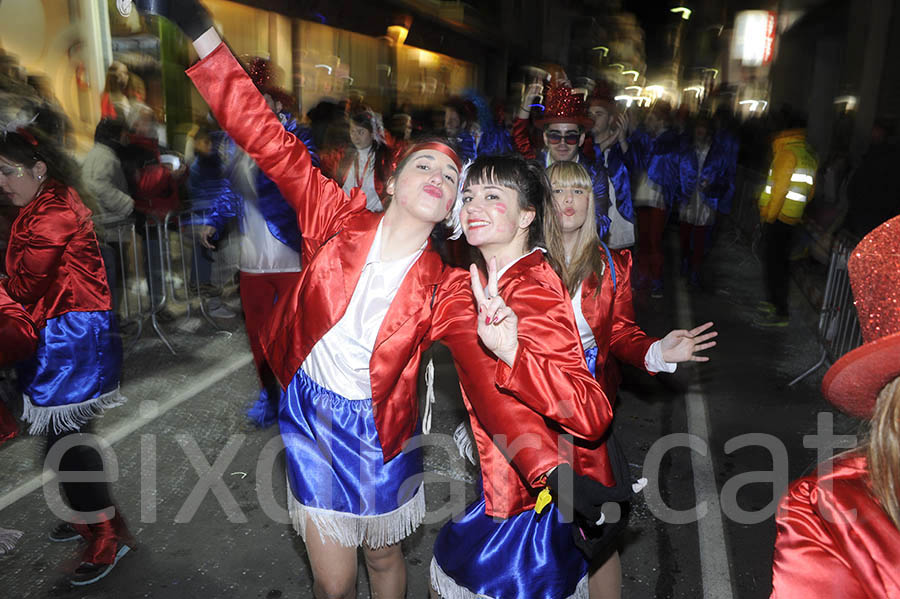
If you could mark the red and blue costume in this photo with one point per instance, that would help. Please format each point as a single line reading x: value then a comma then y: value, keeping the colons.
x: 501, y: 547
x: 56, y: 273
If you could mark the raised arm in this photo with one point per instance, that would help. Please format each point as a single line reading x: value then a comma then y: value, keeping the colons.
x: 320, y: 204
x: 242, y: 111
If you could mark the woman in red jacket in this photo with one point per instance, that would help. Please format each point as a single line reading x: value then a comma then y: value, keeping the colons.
x: 598, y: 281
x: 501, y: 548
x: 56, y: 272
x: 839, y: 527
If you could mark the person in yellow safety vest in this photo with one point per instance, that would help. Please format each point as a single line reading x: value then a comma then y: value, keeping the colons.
x: 791, y: 180
x: 789, y: 187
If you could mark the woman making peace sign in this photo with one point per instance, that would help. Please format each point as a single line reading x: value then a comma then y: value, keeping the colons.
x: 501, y: 548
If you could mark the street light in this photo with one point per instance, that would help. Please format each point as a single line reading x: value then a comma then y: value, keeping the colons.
x: 637, y: 87
x: 603, y: 49
x: 694, y: 88
x: 715, y: 72
x: 635, y: 73
x: 617, y: 64
x: 685, y: 12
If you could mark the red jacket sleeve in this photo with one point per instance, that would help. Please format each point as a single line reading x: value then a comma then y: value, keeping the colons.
x: 628, y: 342
x: 549, y: 373
x: 49, y: 231
x: 17, y: 336
x: 533, y: 449
x: 521, y: 139
x: 319, y: 202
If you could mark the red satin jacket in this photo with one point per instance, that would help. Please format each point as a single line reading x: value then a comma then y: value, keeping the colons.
x: 17, y: 335
x: 434, y: 301
x: 834, y: 539
x: 547, y: 399
x: 611, y: 317
x: 53, y: 259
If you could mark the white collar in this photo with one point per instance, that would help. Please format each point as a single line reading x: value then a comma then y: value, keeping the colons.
x: 508, y: 266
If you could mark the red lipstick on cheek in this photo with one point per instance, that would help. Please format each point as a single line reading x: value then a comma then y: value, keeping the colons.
x: 449, y: 203
x: 501, y: 208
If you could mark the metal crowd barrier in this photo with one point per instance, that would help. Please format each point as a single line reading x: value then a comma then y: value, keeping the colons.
x: 151, y: 285
x: 748, y: 184
x: 838, y: 329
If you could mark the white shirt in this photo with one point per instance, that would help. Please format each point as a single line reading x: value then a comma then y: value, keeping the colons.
x: 339, y: 361
x: 621, y: 230
x: 696, y: 211
x: 363, y: 164
x: 653, y: 360
x: 261, y: 252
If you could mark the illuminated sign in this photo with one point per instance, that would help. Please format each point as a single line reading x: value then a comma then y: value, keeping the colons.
x: 754, y: 37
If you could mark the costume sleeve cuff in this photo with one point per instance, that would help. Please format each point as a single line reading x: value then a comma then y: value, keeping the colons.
x: 654, y: 362
x: 206, y: 43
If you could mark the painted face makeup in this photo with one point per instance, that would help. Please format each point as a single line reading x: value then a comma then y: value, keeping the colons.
x: 427, y: 185
x: 490, y: 214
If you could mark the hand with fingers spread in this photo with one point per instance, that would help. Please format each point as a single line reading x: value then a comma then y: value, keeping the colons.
x: 498, y: 325
x: 682, y: 346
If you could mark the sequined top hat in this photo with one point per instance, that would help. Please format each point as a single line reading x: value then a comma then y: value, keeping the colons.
x: 563, y: 106
x: 852, y: 384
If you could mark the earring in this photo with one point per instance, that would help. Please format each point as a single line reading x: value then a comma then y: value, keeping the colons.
x: 39, y: 177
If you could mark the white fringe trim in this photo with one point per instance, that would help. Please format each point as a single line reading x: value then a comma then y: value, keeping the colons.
x: 352, y: 530
x: 8, y: 539
x: 69, y: 417
x: 447, y: 588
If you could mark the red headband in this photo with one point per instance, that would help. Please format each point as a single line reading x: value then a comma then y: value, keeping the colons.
x: 434, y: 145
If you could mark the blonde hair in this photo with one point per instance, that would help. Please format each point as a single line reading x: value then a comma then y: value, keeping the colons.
x: 883, y: 450
x: 586, y: 255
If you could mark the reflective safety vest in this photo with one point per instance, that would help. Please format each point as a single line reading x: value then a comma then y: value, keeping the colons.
x: 802, y: 180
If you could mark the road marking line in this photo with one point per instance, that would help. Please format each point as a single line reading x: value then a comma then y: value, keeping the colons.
x: 714, y: 559
x: 206, y: 379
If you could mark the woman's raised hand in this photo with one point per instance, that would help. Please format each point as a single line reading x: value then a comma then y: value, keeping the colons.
x: 682, y: 346
x: 498, y: 325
